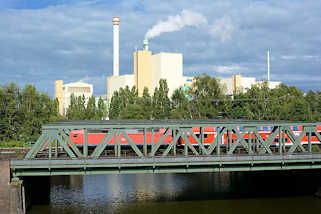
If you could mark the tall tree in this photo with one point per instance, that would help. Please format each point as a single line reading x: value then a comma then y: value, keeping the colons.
x: 161, y: 102
x: 182, y: 107
x: 208, y: 98
x: 90, y: 111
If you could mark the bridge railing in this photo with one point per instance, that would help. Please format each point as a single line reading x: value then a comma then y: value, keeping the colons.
x: 110, y: 139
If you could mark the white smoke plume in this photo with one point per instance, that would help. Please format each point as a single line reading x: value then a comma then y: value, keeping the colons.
x: 176, y: 23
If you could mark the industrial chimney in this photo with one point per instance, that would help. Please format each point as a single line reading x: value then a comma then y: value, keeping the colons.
x: 145, y: 44
x: 116, y: 45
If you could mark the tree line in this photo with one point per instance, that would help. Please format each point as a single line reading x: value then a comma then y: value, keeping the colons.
x: 206, y: 99
x: 24, y: 111
x: 80, y: 109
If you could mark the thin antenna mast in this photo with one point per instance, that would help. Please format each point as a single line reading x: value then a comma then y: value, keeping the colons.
x: 268, y: 65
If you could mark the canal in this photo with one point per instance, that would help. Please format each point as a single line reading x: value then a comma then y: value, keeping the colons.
x: 224, y: 193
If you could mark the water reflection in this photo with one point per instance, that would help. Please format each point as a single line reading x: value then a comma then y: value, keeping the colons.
x: 143, y: 193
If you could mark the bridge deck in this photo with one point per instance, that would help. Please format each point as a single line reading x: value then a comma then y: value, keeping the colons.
x: 165, y: 164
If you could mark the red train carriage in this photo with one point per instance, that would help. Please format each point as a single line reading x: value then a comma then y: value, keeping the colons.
x: 94, y: 137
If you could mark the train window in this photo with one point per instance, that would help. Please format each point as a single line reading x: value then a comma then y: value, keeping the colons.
x: 241, y: 129
x: 276, y: 140
x: 75, y: 135
x: 265, y: 128
x: 295, y: 128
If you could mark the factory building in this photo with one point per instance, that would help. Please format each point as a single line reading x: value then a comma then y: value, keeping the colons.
x: 114, y: 83
x: 142, y: 70
x: 168, y: 66
x: 237, y: 84
x: 148, y: 69
x: 64, y: 92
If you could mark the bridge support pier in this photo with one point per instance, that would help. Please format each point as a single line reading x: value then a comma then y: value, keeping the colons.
x: 11, y: 191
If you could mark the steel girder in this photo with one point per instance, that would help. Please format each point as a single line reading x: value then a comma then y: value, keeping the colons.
x: 165, y: 165
x: 228, y: 138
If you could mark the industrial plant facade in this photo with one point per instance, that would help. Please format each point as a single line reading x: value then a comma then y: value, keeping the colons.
x: 148, y: 70
x: 63, y: 93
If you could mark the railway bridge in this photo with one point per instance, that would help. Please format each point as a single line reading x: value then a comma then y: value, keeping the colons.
x: 171, y: 146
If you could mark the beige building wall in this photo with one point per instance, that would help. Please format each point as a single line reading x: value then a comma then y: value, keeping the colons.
x: 142, y: 70
x: 237, y: 84
x: 227, y: 85
x: 168, y: 66
x: 247, y: 82
x: 77, y: 89
x: 271, y: 84
x: 59, y: 95
x: 114, y: 83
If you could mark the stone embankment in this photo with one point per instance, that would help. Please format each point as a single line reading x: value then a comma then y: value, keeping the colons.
x: 11, y: 191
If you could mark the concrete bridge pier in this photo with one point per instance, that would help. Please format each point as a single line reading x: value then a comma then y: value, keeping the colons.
x: 11, y: 191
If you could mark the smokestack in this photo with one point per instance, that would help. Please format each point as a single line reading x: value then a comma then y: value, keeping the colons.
x: 145, y: 44
x: 268, y: 66
x: 116, y: 45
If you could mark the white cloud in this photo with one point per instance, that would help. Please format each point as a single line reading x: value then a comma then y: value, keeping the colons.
x: 72, y: 41
x: 304, y: 57
x: 223, y: 29
x: 228, y: 69
x: 286, y: 57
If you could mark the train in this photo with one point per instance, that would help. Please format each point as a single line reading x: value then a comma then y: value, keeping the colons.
x: 95, y: 136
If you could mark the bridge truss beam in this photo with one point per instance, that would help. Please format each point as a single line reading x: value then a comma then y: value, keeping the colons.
x: 230, y: 138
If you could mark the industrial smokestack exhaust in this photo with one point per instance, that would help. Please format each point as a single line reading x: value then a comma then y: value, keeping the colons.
x: 116, y: 45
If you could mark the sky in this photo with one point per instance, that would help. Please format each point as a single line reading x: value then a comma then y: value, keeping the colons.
x: 46, y: 40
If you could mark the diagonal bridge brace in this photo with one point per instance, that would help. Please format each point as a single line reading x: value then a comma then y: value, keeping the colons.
x: 296, y: 140
x: 177, y: 136
x: 103, y: 143
x: 158, y: 144
x: 241, y: 140
x: 268, y: 142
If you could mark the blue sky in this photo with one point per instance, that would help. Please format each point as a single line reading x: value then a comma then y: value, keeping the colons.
x: 45, y: 40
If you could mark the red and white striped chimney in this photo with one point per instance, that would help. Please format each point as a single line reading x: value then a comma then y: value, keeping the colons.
x: 116, y: 45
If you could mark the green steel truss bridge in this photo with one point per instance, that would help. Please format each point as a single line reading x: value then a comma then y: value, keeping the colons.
x: 54, y: 153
